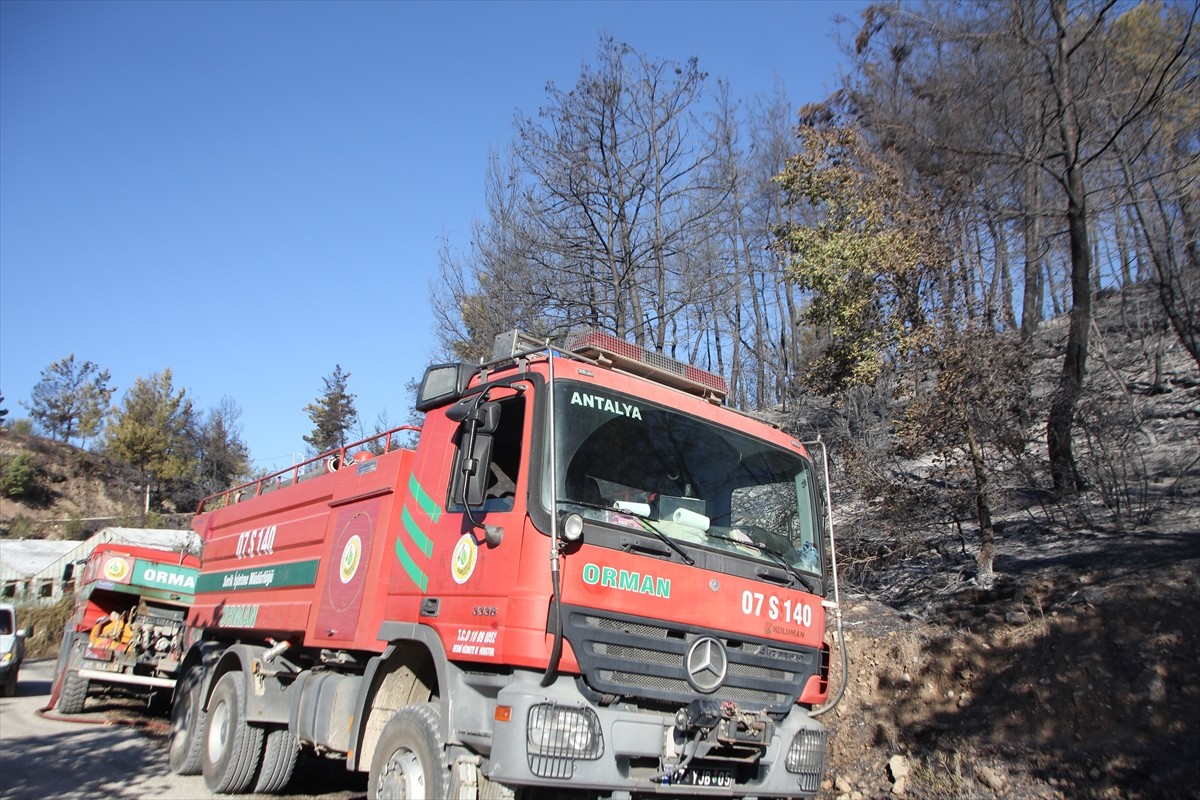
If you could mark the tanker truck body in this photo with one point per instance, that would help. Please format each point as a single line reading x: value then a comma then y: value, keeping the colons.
x: 588, y: 577
x: 126, y: 633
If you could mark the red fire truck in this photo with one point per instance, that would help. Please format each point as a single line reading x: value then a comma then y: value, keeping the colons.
x: 588, y: 577
x: 126, y: 634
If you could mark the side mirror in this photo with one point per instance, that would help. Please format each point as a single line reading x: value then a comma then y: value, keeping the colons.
x: 26, y: 633
x: 480, y: 421
x: 442, y: 384
x: 477, y: 479
x: 470, y: 480
x: 486, y: 417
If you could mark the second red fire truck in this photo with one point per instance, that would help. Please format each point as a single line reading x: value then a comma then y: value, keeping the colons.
x: 126, y: 632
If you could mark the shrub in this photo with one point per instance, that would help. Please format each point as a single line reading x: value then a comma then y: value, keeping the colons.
x: 48, y: 623
x: 75, y: 528
x: 19, y: 527
x: 18, y: 477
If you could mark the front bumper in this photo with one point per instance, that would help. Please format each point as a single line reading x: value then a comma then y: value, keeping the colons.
x: 621, y: 747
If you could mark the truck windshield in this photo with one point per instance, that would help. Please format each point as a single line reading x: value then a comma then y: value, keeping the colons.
x: 625, y: 462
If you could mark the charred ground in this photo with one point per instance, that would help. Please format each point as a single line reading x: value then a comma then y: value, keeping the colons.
x: 1077, y: 673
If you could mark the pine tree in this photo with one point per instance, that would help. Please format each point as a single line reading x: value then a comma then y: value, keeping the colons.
x: 154, y: 430
x: 333, y: 413
x: 223, y: 458
x: 71, y: 399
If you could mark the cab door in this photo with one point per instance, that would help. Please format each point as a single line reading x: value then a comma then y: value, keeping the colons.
x: 458, y: 538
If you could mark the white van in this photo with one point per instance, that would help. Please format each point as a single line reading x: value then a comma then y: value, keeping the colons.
x: 12, y: 648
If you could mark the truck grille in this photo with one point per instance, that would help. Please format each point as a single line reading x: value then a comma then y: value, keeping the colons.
x: 632, y: 657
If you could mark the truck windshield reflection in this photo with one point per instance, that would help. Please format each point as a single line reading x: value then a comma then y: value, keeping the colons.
x: 628, y: 463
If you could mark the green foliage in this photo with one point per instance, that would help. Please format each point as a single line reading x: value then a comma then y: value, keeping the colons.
x: 333, y: 413
x: 379, y: 444
x: 878, y: 264
x: 18, y: 477
x: 866, y: 259
x: 152, y: 430
x: 71, y: 399
x: 23, y: 426
x: 3, y: 412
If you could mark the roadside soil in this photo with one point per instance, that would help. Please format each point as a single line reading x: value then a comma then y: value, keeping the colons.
x: 1077, y: 675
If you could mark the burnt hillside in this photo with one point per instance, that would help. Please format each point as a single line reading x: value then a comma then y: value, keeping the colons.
x: 70, y: 492
x: 1076, y: 674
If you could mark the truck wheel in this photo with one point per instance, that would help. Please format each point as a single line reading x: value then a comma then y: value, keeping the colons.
x: 10, y: 688
x: 410, y: 759
x: 278, y: 761
x: 60, y: 666
x: 185, y: 740
x: 74, y: 693
x: 232, y: 747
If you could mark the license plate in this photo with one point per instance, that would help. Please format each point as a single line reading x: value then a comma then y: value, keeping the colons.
x: 721, y: 778
x: 105, y: 666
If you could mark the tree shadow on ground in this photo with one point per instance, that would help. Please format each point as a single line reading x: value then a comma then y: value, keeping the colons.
x: 1096, y: 693
x: 83, y: 763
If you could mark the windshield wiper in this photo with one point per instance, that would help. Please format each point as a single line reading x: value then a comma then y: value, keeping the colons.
x: 647, y: 524
x: 586, y: 504
x: 776, y: 556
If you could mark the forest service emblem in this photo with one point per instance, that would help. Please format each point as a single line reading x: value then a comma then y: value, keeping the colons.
x: 116, y: 569
x: 351, y: 554
x: 462, y: 562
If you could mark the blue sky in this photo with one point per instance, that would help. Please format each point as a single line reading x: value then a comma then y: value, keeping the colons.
x: 250, y: 193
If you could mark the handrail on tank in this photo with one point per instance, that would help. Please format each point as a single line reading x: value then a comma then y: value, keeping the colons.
x: 332, y: 461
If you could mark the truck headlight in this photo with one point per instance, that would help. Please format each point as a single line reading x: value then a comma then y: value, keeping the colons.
x: 572, y: 527
x: 7, y: 657
x: 806, y: 758
x: 558, y: 735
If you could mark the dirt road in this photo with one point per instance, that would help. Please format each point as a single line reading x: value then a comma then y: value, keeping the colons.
x: 42, y: 757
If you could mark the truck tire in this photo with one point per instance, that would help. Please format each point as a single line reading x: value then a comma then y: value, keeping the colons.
x: 409, y: 762
x: 232, y: 747
x: 10, y: 686
x: 60, y: 666
x: 74, y: 693
x: 278, y: 761
x: 185, y: 739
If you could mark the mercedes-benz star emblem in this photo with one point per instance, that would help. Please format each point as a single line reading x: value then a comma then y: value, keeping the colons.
x: 706, y: 664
